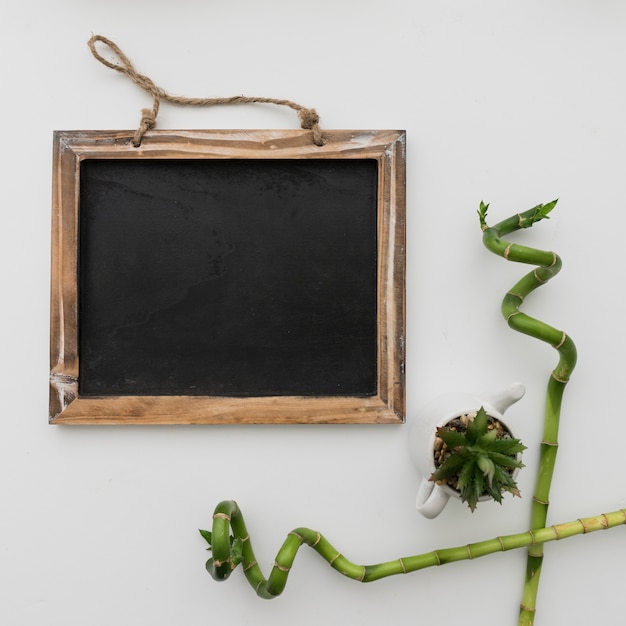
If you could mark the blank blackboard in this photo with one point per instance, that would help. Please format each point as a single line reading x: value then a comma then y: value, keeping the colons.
x: 227, y: 276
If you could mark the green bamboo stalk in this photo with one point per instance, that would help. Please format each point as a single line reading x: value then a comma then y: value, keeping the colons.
x: 548, y: 265
x: 228, y: 551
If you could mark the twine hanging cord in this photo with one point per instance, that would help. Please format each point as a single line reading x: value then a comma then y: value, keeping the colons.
x: 309, y: 119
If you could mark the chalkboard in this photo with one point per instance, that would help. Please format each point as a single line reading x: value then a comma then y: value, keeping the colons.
x: 217, y: 277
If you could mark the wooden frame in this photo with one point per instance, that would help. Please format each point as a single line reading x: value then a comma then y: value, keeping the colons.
x: 69, y: 406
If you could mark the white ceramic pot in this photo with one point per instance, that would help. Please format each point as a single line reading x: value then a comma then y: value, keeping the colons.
x: 432, y: 498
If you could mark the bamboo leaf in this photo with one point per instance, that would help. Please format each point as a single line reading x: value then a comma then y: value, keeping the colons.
x: 537, y: 213
x: 237, y: 551
x: 482, y: 214
x: 544, y: 209
x: 207, y: 537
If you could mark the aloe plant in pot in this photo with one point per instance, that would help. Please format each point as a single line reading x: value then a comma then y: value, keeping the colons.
x: 477, y: 456
x: 440, y: 463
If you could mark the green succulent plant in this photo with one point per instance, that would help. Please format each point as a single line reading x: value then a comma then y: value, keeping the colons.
x: 478, y: 458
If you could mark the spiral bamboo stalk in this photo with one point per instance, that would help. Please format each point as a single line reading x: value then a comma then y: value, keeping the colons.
x: 228, y: 551
x: 548, y: 265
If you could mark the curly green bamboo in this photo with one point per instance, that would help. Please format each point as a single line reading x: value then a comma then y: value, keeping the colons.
x: 229, y: 551
x: 548, y: 265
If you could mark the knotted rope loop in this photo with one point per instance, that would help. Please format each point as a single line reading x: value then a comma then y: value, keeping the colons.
x: 148, y: 122
x: 309, y: 119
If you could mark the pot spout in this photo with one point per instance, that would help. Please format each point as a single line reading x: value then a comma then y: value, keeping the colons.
x: 503, y: 399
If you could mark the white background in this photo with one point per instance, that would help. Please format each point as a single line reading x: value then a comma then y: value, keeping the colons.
x: 513, y: 103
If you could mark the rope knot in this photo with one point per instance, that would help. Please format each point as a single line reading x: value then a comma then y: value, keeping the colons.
x: 308, y: 118
x: 148, y: 122
x: 148, y: 118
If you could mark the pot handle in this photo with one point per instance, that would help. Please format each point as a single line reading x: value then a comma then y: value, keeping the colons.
x: 431, y: 499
